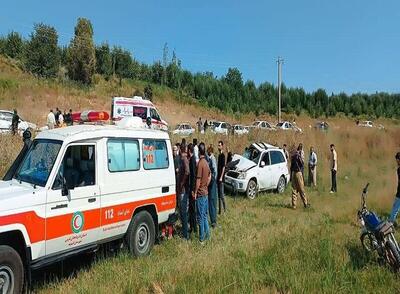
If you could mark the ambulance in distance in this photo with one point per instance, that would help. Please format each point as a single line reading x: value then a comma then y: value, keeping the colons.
x: 138, y: 107
x: 80, y: 186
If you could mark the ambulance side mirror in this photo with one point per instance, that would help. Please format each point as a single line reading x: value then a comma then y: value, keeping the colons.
x: 65, y: 190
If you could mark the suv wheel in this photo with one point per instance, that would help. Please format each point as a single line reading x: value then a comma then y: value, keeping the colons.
x: 281, y: 185
x: 11, y: 271
x: 141, y: 234
x: 251, y: 191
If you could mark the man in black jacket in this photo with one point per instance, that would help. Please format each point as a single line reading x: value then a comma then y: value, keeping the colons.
x: 296, y: 167
x: 396, y: 204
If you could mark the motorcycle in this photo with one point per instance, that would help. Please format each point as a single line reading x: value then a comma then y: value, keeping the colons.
x: 378, y: 235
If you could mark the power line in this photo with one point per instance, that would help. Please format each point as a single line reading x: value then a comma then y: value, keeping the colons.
x: 280, y: 62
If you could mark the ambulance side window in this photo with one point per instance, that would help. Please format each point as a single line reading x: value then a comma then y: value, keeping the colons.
x: 123, y: 155
x: 154, y: 114
x: 78, y: 167
x: 155, y: 154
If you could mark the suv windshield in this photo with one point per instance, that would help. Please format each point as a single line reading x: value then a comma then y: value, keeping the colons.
x: 252, y: 154
x: 38, y: 162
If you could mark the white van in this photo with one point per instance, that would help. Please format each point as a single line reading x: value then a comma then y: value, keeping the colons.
x: 81, y: 186
x: 137, y: 106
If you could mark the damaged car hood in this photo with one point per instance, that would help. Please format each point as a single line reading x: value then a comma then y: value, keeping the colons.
x: 243, y: 164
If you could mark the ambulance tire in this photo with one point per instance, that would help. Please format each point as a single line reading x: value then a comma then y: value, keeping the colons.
x: 141, y: 234
x: 11, y: 270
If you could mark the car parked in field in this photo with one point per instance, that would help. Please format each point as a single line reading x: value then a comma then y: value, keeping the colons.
x: 239, y: 130
x: 288, y: 126
x: 6, y: 120
x: 322, y: 126
x: 263, y: 125
x: 183, y: 129
x: 369, y: 124
x: 221, y: 127
x: 262, y: 167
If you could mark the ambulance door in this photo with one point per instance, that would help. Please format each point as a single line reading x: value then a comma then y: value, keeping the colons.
x: 73, y: 203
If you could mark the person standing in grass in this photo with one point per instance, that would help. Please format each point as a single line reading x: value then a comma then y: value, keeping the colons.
x: 177, y: 163
x: 212, y: 187
x: 301, y: 150
x: 396, y: 204
x: 196, y: 150
x: 200, y: 193
x: 220, y: 177
x: 14, y: 122
x: 192, y: 185
x: 51, y: 120
x: 184, y: 174
x: 297, y: 165
x: 200, y: 125
x: 334, y: 167
x: 286, y: 152
x: 312, y: 168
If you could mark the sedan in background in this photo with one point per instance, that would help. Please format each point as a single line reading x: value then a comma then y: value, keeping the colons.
x: 6, y: 120
x: 183, y: 129
x: 288, y: 126
x: 239, y: 130
x: 221, y: 127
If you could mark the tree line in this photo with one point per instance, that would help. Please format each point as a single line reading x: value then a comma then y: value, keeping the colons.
x: 82, y: 59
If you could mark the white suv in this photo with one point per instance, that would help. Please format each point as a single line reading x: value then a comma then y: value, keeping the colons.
x: 262, y: 167
x: 81, y: 186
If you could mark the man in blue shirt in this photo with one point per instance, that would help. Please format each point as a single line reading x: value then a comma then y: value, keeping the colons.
x: 312, y: 168
x: 396, y: 204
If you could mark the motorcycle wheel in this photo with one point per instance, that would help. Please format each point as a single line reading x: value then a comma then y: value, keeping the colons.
x: 368, y: 241
x: 392, y: 255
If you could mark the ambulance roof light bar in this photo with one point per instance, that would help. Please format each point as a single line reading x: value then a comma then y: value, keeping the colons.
x: 90, y: 116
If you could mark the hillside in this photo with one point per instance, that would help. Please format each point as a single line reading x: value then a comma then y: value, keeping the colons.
x: 34, y: 97
x: 262, y: 246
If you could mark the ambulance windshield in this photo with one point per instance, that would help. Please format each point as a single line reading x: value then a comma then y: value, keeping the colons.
x: 38, y: 162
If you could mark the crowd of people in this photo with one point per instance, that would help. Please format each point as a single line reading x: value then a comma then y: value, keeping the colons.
x: 200, y: 182
x: 199, y: 186
x: 58, y: 119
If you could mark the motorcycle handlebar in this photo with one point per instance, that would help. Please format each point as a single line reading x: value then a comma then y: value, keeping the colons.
x: 365, y: 190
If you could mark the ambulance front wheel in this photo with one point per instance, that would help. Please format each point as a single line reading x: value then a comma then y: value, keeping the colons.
x: 141, y: 234
x: 11, y: 271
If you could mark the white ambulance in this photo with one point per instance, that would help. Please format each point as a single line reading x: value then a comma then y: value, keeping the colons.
x: 137, y: 106
x: 80, y: 186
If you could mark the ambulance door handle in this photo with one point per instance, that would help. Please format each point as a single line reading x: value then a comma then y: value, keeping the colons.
x: 91, y: 200
x: 59, y: 206
x: 165, y: 189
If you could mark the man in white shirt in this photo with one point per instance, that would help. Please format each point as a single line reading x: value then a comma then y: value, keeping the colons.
x: 196, y: 150
x: 334, y: 167
x: 51, y: 120
x: 60, y: 120
x: 312, y: 168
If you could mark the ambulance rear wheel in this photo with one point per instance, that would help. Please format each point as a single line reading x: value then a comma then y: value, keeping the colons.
x: 11, y: 271
x: 141, y: 234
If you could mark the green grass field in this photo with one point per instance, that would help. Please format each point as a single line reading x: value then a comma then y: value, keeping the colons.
x: 263, y: 245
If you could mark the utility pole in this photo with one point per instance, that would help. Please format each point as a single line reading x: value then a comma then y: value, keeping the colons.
x: 280, y: 62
